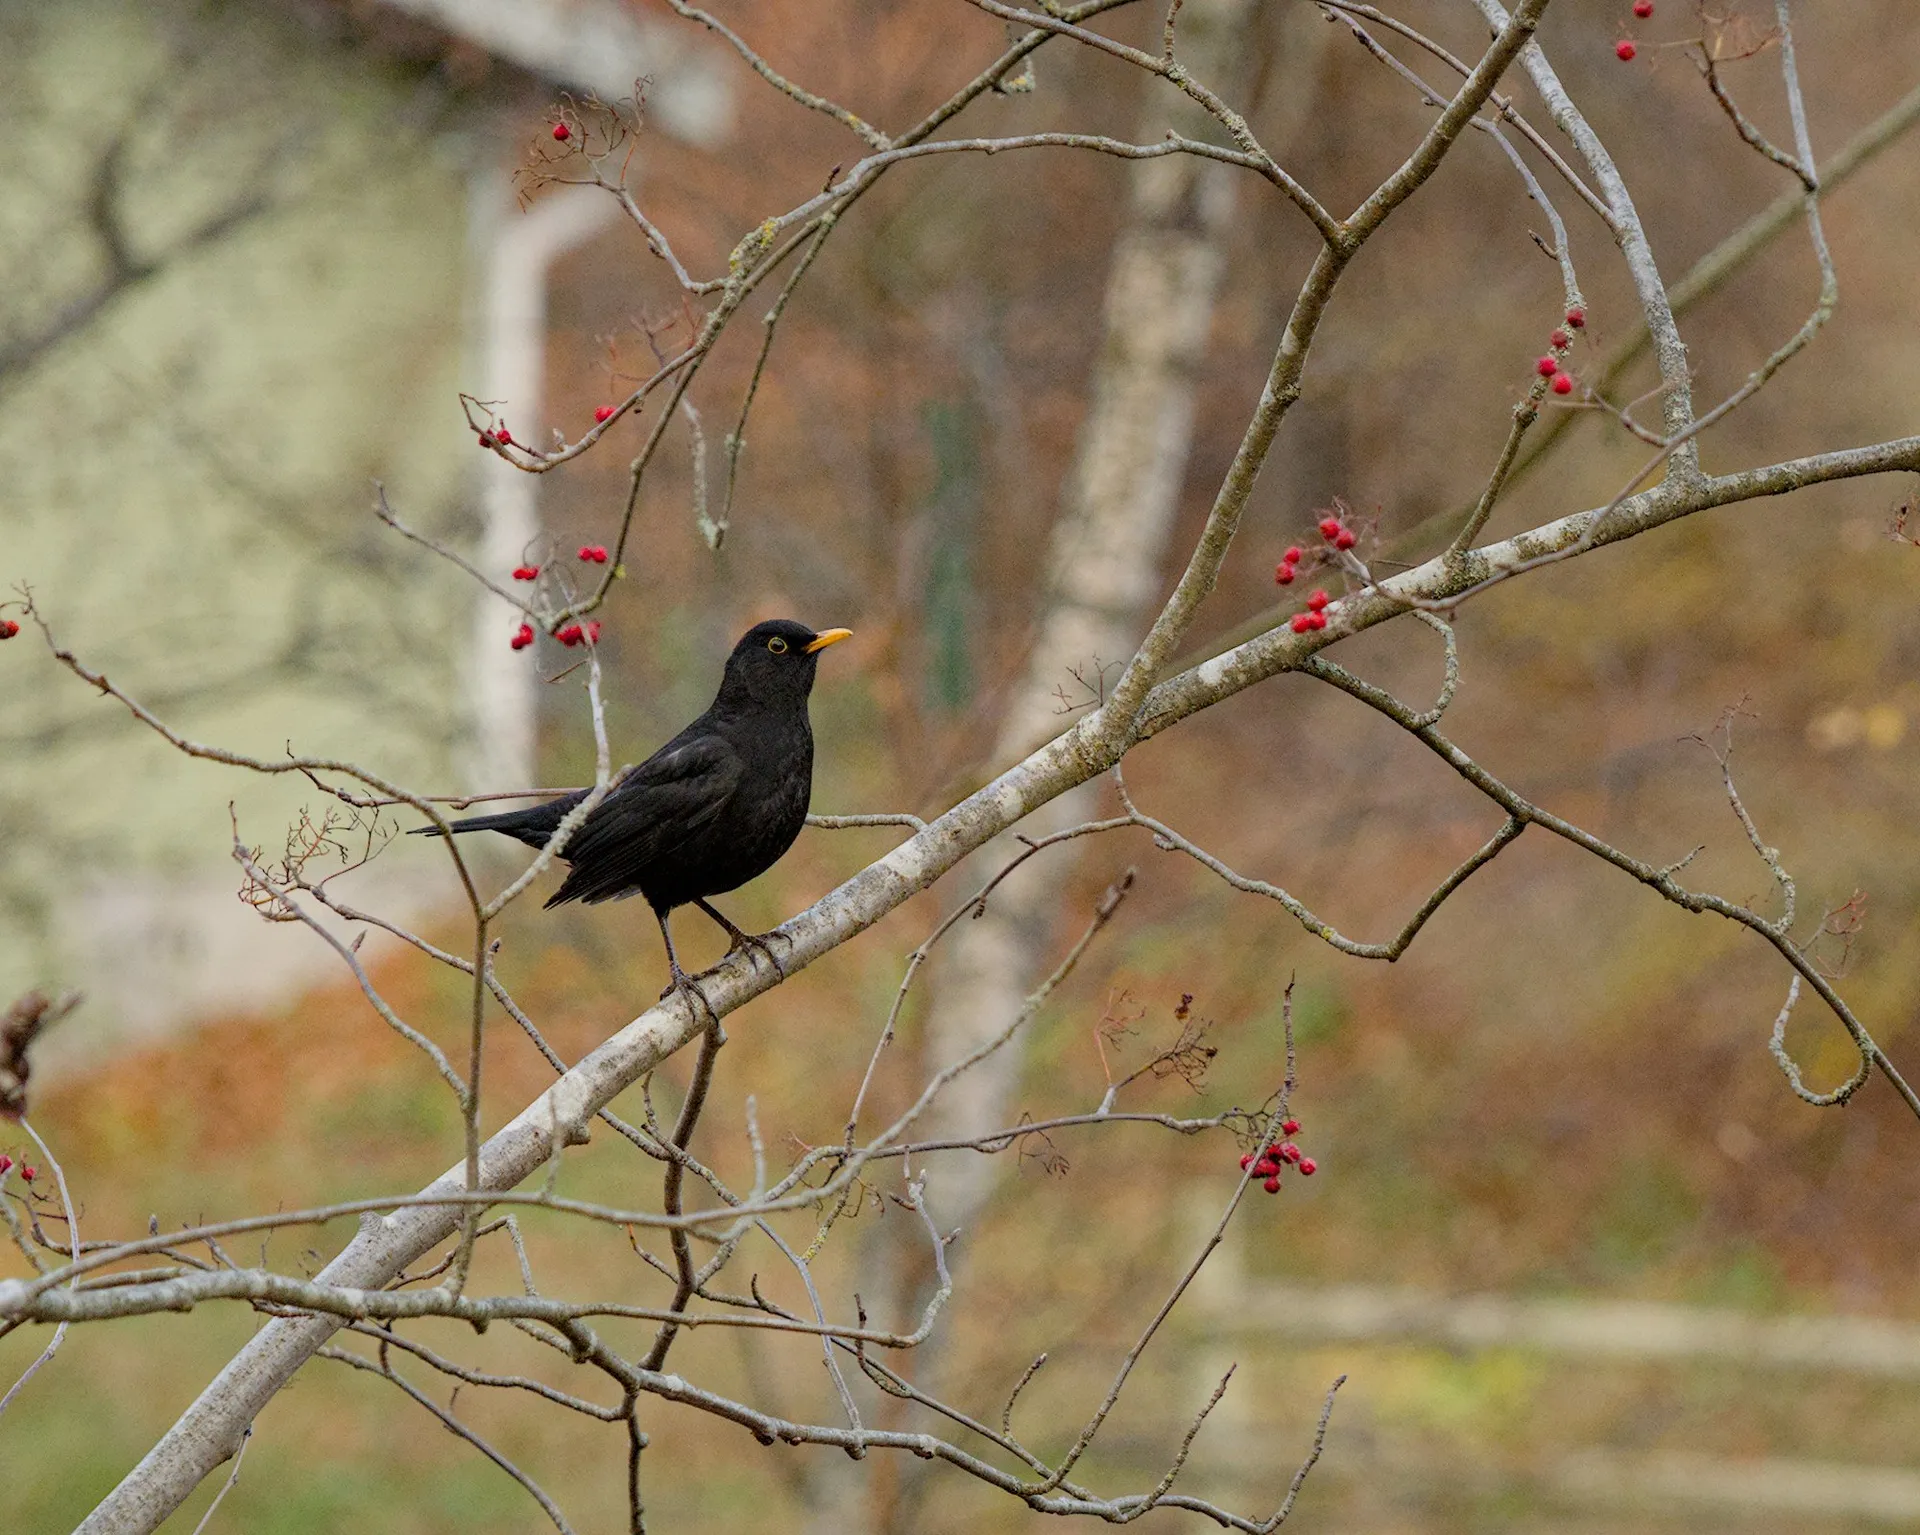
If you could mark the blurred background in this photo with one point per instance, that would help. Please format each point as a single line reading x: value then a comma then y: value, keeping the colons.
x: 1586, y: 1261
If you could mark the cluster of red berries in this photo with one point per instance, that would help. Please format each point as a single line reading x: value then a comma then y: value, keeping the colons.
x: 526, y: 572
x: 8, y: 628
x: 496, y: 436
x: 594, y: 554
x: 602, y: 415
x: 1336, y: 533
x: 1267, y: 1165
x: 27, y: 1170
x: 1624, y: 50
x: 1549, y: 365
x: 570, y: 635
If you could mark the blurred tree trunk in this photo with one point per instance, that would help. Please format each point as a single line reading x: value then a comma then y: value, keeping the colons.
x: 1110, y: 541
x: 1104, y: 564
x: 1107, y: 549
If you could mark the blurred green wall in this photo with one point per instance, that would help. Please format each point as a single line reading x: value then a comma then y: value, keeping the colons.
x: 189, y: 473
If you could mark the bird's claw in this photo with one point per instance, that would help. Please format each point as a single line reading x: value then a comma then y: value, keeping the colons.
x: 686, y: 986
x: 760, y: 941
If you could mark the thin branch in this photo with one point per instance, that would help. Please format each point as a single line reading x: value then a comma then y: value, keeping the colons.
x: 452, y: 1425
x: 808, y: 99
x: 690, y: 1107
x: 1713, y: 270
x: 1660, y: 880
x: 1092, y: 1427
x: 1502, y: 104
x: 73, y: 1245
x: 246, y: 1438
x: 1118, y: 717
x: 1669, y: 350
x: 1754, y: 138
x: 1170, y: 840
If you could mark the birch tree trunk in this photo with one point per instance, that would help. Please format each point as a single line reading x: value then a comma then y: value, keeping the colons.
x: 1105, y: 576
x: 1108, y: 548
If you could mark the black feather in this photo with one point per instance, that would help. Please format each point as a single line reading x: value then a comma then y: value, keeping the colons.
x: 715, y: 807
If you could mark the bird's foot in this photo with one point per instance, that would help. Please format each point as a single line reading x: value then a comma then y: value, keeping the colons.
x: 746, y: 940
x: 761, y: 942
x: 689, y: 988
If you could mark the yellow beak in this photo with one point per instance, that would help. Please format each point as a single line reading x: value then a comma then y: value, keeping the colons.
x: 827, y: 637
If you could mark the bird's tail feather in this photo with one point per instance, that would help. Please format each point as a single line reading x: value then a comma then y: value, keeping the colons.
x: 507, y: 821
x: 533, y: 825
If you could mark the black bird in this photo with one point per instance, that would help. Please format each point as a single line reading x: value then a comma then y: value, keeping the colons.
x: 715, y: 807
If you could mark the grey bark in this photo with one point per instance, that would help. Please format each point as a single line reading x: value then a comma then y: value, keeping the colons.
x: 1108, y: 546
x: 1105, y: 564
x: 212, y: 1429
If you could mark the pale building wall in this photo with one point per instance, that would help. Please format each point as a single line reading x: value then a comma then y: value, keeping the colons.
x: 187, y: 487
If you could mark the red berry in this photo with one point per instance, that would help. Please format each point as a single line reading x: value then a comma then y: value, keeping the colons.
x: 1316, y: 620
x: 1302, y: 622
x: 27, y: 1171
x: 1624, y: 49
x: 1289, y: 1152
x: 522, y: 637
x: 1548, y: 366
x: 570, y: 636
x: 1318, y: 601
x: 1560, y: 339
x: 562, y: 132
x: 586, y: 552
x: 1577, y: 317
x: 1283, y: 574
x: 526, y: 572
x: 5, y: 1163
x: 1289, y: 1127
x: 8, y: 628
x: 486, y: 439
x: 1272, y: 1185
x: 503, y: 436
x: 1643, y: 8
x: 1329, y: 527
x: 1308, y: 1167
x: 1345, y: 539
x: 1562, y: 384
x: 1245, y: 1162
x: 1292, y: 556
x: 603, y: 414
x: 593, y: 632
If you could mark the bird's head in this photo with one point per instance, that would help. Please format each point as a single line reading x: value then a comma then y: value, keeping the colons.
x: 775, y: 661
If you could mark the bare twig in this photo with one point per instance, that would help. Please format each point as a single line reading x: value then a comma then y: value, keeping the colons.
x: 452, y: 1425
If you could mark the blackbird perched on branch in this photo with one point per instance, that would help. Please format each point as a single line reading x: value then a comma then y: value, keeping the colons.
x: 715, y: 807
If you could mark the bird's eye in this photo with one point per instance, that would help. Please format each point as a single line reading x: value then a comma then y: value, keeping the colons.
x: 777, y: 645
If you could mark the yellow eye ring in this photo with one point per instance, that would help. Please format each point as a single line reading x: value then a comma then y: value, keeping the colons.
x: 777, y: 645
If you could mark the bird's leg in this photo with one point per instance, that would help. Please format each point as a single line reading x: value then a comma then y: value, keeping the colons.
x: 682, y: 982
x: 747, y: 940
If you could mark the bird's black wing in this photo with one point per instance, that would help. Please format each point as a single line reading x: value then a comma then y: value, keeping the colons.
x: 670, y: 797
